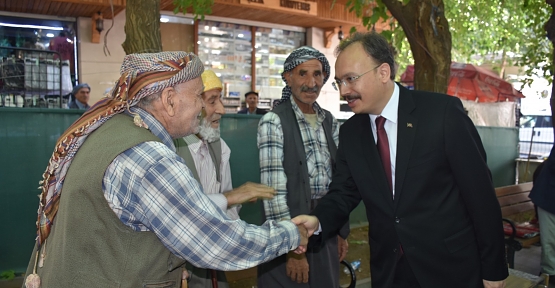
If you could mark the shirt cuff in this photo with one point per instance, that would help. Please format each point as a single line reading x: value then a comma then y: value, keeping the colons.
x: 317, y: 232
x: 219, y: 200
x: 293, y: 232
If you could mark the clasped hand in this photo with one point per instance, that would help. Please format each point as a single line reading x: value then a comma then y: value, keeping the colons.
x: 310, y: 225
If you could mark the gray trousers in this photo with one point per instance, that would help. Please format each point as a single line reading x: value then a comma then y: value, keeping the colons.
x: 323, y: 272
x: 547, y: 238
x: 202, y: 278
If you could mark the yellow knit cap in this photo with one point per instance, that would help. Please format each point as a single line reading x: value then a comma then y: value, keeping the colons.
x: 211, y: 81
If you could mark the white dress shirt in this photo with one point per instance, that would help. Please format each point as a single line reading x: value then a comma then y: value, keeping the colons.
x: 207, y: 173
x: 390, y: 113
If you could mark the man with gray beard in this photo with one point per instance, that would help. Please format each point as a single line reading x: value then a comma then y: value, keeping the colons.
x: 207, y: 155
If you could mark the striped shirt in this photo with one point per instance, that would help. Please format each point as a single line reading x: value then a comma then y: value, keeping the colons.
x: 150, y: 188
x: 318, y: 158
x: 206, y: 171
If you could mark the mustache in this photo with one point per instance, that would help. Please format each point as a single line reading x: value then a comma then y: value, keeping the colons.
x: 351, y: 97
x: 314, y: 89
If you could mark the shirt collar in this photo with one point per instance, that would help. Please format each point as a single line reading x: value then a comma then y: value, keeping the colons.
x: 315, y: 106
x: 155, y: 127
x: 193, y: 142
x: 81, y: 105
x: 390, y: 111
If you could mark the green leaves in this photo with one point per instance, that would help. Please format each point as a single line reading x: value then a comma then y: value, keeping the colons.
x: 481, y: 30
x: 200, y: 7
x: 7, y: 275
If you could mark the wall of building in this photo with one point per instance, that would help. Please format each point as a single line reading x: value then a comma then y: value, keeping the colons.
x: 98, y: 70
x: 329, y: 98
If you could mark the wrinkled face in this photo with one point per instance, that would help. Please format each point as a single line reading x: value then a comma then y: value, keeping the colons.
x: 213, y: 107
x: 83, y: 95
x: 306, y: 81
x: 366, y: 94
x: 252, y: 100
x: 212, y: 113
x: 188, y: 104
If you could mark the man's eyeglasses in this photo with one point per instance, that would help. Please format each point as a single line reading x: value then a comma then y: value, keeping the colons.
x: 349, y: 80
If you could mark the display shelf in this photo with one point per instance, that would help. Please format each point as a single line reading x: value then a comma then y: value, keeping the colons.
x: 265, y: 103
x: 271, y: 50
x: 226, y: 49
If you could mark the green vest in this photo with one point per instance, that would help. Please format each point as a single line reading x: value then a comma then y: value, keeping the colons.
x: 88, y: 245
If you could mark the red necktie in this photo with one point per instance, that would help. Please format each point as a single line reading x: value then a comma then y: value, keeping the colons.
x: 383, y: 149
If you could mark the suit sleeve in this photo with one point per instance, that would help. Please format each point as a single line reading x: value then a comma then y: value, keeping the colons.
x: 467, y: 159
x: 334, y: 209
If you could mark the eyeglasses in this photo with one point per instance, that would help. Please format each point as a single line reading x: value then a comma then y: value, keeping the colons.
x: 349, y: 80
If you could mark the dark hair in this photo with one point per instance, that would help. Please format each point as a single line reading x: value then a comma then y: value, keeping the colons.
x: 251, y: 92
x: 63, y: 34
x: 375, y: 45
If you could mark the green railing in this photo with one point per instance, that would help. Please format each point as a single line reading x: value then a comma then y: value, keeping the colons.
x: 27, y: 138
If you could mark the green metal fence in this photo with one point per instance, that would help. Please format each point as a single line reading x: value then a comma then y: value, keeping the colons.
x: 27, y: 138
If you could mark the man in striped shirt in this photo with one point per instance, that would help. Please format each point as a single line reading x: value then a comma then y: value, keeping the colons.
x: 207, y: 156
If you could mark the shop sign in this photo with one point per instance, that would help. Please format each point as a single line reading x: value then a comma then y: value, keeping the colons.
x: 297, y: 6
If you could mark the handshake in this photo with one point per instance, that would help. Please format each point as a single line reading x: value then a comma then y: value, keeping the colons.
x: 307, y: 225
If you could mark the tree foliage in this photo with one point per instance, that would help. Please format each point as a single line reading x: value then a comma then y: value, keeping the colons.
x: 198, y: 7
x: 482, y: 31
x: 508, y: 33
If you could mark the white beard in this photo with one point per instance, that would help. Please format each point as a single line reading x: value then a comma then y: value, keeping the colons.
x: 208, y: 133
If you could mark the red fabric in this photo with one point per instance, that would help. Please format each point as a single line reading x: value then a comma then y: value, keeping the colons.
x: 383, y: 149
x: 470, y: 82
x: 521, y: 231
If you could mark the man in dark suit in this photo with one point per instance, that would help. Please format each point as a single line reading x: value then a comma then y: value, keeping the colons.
x: 417, y: 162
x: 251, y: 98
x: 543, y: 195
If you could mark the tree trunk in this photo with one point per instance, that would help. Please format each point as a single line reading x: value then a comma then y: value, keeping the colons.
x: 550, y: 29
x: 427, y: 31
x: 503, y: 64
x: 142, y: 27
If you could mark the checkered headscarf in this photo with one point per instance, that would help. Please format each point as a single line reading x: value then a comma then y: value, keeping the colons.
x: 297, y: 57
x: 141, y: 75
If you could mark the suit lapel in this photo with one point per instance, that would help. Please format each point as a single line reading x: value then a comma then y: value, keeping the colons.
x: 370, y: 152
x: 406, y: 131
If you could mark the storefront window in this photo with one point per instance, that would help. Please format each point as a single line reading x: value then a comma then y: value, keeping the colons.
x: 37, y: 62
x: 226, y: 49
x: 272, y: 48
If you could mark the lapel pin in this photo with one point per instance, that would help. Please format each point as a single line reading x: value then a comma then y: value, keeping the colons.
x: 409, y: 125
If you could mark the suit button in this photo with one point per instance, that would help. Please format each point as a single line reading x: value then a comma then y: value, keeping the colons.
x: 397, y: 220
x: 394, y: 250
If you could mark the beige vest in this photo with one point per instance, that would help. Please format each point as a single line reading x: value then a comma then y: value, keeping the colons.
x: 88, y: 245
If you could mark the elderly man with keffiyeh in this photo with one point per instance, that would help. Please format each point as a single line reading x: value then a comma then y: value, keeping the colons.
x: 297, y: 141
x: 131, y: 212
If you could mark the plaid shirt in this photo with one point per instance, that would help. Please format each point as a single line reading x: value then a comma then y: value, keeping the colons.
x: 150, y: 188
x: 318, y: 159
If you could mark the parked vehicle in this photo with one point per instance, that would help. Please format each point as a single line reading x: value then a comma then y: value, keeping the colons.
x: 344, y: 111
x: 536, y: 135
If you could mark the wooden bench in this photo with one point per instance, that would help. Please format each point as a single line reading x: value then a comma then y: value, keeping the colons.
x: 516, y: 208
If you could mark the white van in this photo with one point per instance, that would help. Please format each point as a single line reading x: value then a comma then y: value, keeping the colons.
x: 536, y: 135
